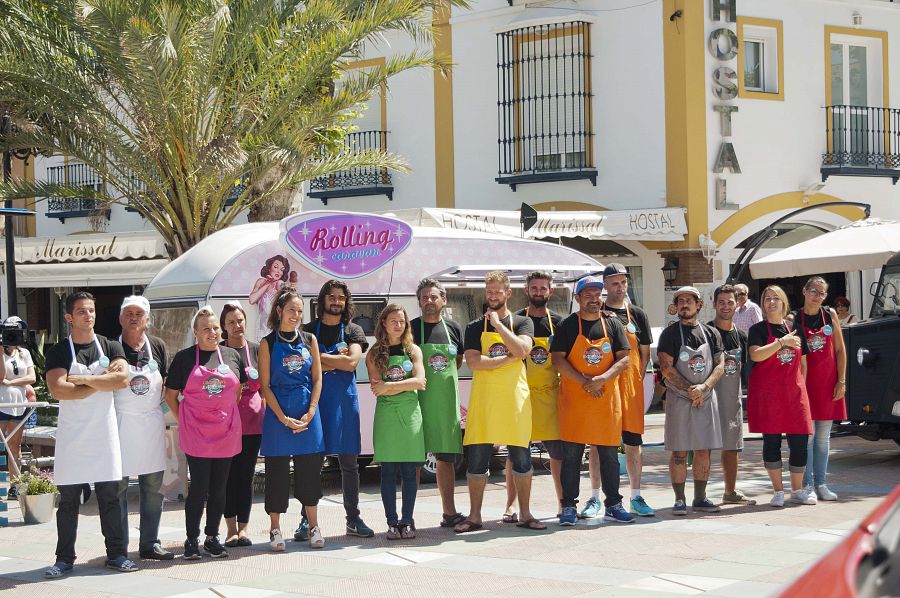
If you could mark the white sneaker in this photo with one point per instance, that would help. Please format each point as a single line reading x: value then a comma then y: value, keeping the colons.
x: 777, y: 499
x: 276, y: 541
x: 803, y: 496
x: 825, y: 494
x: 316, y: 540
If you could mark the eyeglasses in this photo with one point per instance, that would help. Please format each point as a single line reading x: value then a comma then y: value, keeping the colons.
x: 816, y: 293
x: 740, y: 294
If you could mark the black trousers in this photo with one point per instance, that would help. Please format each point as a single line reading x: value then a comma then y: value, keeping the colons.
x: 350, y: 484
x: 239, y: 490
x: 797, y: 444
x: 570, y: 476
x: 307, y: 481
x: 107, y: 494
x: 209, y: 477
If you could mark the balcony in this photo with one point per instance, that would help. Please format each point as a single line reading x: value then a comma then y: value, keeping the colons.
x: 74, y: 175
x: 356, y: 182
x: 862, y: 141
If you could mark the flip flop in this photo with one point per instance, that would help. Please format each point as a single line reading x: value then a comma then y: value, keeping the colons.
x: 467, y: 526
x: 532, y: 524
x: 510, y: 518
x: 452, y: 520
x: 231, y: 543
x: 244, y: 541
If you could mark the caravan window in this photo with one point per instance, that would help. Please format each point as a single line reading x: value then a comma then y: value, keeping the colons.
x: 365, y: 313
x: 173, y: 326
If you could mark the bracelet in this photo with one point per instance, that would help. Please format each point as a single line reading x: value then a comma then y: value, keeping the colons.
x: 842, y: 382
x: 781, y: 343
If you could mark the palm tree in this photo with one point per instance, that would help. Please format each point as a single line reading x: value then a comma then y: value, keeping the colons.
x: 182, y: 106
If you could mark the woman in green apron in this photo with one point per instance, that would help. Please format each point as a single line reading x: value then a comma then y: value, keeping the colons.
x: 396, y: 375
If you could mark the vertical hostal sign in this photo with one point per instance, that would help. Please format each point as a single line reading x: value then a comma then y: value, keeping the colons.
x: 345, y: 245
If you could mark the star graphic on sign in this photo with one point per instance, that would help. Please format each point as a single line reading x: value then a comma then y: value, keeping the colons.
x: 362, y: 264
x: 333, y: 228
x: 344, y: 267
x: 390, y: 248
x: 304, y: 231
x: 400, y: 233
x: 368, y: 224
x: 320, y: 259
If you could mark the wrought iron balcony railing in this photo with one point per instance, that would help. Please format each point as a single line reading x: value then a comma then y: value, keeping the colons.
x: 77, y: 175
x: 862, y: 141
x: 356, y: 182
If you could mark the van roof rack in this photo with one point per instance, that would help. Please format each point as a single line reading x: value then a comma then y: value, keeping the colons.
x: 517, y: 273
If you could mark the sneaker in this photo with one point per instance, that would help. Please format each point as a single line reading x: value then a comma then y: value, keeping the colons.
x: 316, y: 539
x: 640, y: 507
x: 568, y: 516
x: 13, y: 493
x: 58, y: 569
x: 803, y: 496
x: 407, y: 530
x: 618, y: 514
x: 191, y: 549
x: 680, y: 508
x: 276, y: 540
x: 301, y: 534
x: 357, y: 527
x: 157, y: 553
x: 825, y: 494
x: 591, y: 508
x: 705, y: 506
x: 777, y: 499
x: 393, y: 533
x: 737, y: 498
x: 122, y: 564
x: 212, y: 547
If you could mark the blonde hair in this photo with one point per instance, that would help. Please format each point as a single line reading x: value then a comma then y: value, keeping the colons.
x: 497, y: 276
x: 381, y: 349
x: 204, y: 312
x: 779, y: 292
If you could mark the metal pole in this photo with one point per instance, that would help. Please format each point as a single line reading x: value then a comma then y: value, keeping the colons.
x: 12, y: 308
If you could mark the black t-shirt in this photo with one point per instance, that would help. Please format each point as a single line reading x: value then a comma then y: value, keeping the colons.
x: 541, y: 326
x: 254, y: 353
x: 139, y: 357
x: 330, y: 335
x: 183, y: 364
x: 521, y: 326
x: 435, y: 335
x: 639, y: 319
x: 567, y: 332
x: 694, y: 337
x: 758, y: 335
x: 305, y: 337
x: 60, y: 355
x: 733, y: 339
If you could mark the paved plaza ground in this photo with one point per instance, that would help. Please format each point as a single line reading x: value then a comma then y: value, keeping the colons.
x: 741, y: 552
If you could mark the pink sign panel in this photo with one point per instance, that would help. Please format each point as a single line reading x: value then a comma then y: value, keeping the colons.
x: 345, y: 245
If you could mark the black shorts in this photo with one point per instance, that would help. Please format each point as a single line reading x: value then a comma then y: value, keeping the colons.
x: 631, y: 439
x: 446, y: 457
x: 554, y: 448
x: 6, y: 417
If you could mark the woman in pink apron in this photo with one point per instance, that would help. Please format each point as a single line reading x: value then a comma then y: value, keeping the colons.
x: 777, y: 402
x: 251, y: 408
x: 826, y: 370
x: 209, y: 378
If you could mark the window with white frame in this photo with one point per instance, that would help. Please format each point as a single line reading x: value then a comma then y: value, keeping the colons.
x: 760, y: 56
x: 754, y: 64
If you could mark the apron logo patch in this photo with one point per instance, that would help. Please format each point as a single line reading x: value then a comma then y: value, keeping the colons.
x: 438, y: 362
x: 213, y: 385
x: 139, y: 385
x: 293, y: 363
x: 592, y: 355
x: 816, y: 342
x: 697, y: 364
x: 498, y: 350
x: 539, y: 355
x: 731, y: 365
x: 785, y: 355
x: 395, y: 373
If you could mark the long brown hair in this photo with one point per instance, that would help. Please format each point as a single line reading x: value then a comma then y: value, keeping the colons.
x: 381, y: 349
x: 284, y: 295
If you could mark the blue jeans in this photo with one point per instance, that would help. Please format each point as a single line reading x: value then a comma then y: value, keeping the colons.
x: 151, y: 509
x: 817, y: 458
x: 408, y: 487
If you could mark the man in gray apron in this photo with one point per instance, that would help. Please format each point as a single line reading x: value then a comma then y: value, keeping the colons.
x: 82, y: 372
x: 728, y: 391
x: 692, y: 362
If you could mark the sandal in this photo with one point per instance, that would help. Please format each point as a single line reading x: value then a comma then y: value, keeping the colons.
x: 232, y: 543
x: 58, y: 570
x: 407, y: 530
x: 276, y: 541
x: 531, y: 524
x: 452, y: 520
x: 510, y: 518
x: 244, y: 541
x: 467, y: 526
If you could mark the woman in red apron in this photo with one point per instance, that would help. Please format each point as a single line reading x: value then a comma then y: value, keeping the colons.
x: 209, y: 379
x: 826, y: 370
x: 777, y: 402
x: 251, y: 409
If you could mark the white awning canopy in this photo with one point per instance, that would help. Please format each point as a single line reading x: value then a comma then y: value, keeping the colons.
x: 649, y: 224
x: 88, y: 274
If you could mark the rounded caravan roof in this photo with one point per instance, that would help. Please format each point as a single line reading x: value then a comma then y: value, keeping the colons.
x: 229, y: 262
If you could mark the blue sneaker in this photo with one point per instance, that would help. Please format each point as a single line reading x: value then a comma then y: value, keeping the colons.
x: 618, y: 514
x: 58, y: 570
x: 122, y: 564
x: 357, y: 527
x: 301, y: 534
x: 568, y: 516
x: 680, y: 508
x: 591, y: 508
x: 640, y: 507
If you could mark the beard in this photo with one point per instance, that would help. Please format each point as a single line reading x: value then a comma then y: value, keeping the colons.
x: 497, y: 304
x: 334, y: 309
x: 538, y: 301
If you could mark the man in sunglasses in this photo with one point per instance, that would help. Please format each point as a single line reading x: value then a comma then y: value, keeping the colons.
x: 747, y: 313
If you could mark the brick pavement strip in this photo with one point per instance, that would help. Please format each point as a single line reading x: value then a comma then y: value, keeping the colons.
x: 739, y: 552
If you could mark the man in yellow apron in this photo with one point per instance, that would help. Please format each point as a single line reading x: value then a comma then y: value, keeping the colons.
x: 543, y: 384
x: 442, y: 352
x: 499, y: 406
x: 590, y: 351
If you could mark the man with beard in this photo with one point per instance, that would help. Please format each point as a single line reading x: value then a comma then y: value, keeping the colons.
x: 499, y: 407
x: 692, y: 362
x: 341, y: 345
x: 728, y: 391
x: 442, y: 353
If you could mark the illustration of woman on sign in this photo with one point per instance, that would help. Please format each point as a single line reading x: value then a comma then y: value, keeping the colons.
x: 274, y: 274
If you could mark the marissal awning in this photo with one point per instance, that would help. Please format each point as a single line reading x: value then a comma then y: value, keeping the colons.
x: 649, y: 224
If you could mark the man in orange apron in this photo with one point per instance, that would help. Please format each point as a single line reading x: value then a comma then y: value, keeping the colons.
x: 499, y: 404
x: 590, y: 351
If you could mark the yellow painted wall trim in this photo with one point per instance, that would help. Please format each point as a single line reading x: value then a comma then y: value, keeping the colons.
x: 791, y: 200
x: 778, y: 26
x: 444, y: 155
x: 378, y: 61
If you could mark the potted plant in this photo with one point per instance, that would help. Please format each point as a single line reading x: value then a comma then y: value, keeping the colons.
x: 37, y: 495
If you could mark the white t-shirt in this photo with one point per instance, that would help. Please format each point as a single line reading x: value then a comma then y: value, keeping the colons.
x: 21, y: 360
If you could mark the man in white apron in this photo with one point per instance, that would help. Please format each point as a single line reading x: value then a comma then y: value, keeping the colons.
x: 82, y: 372
x: 142, y: 428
